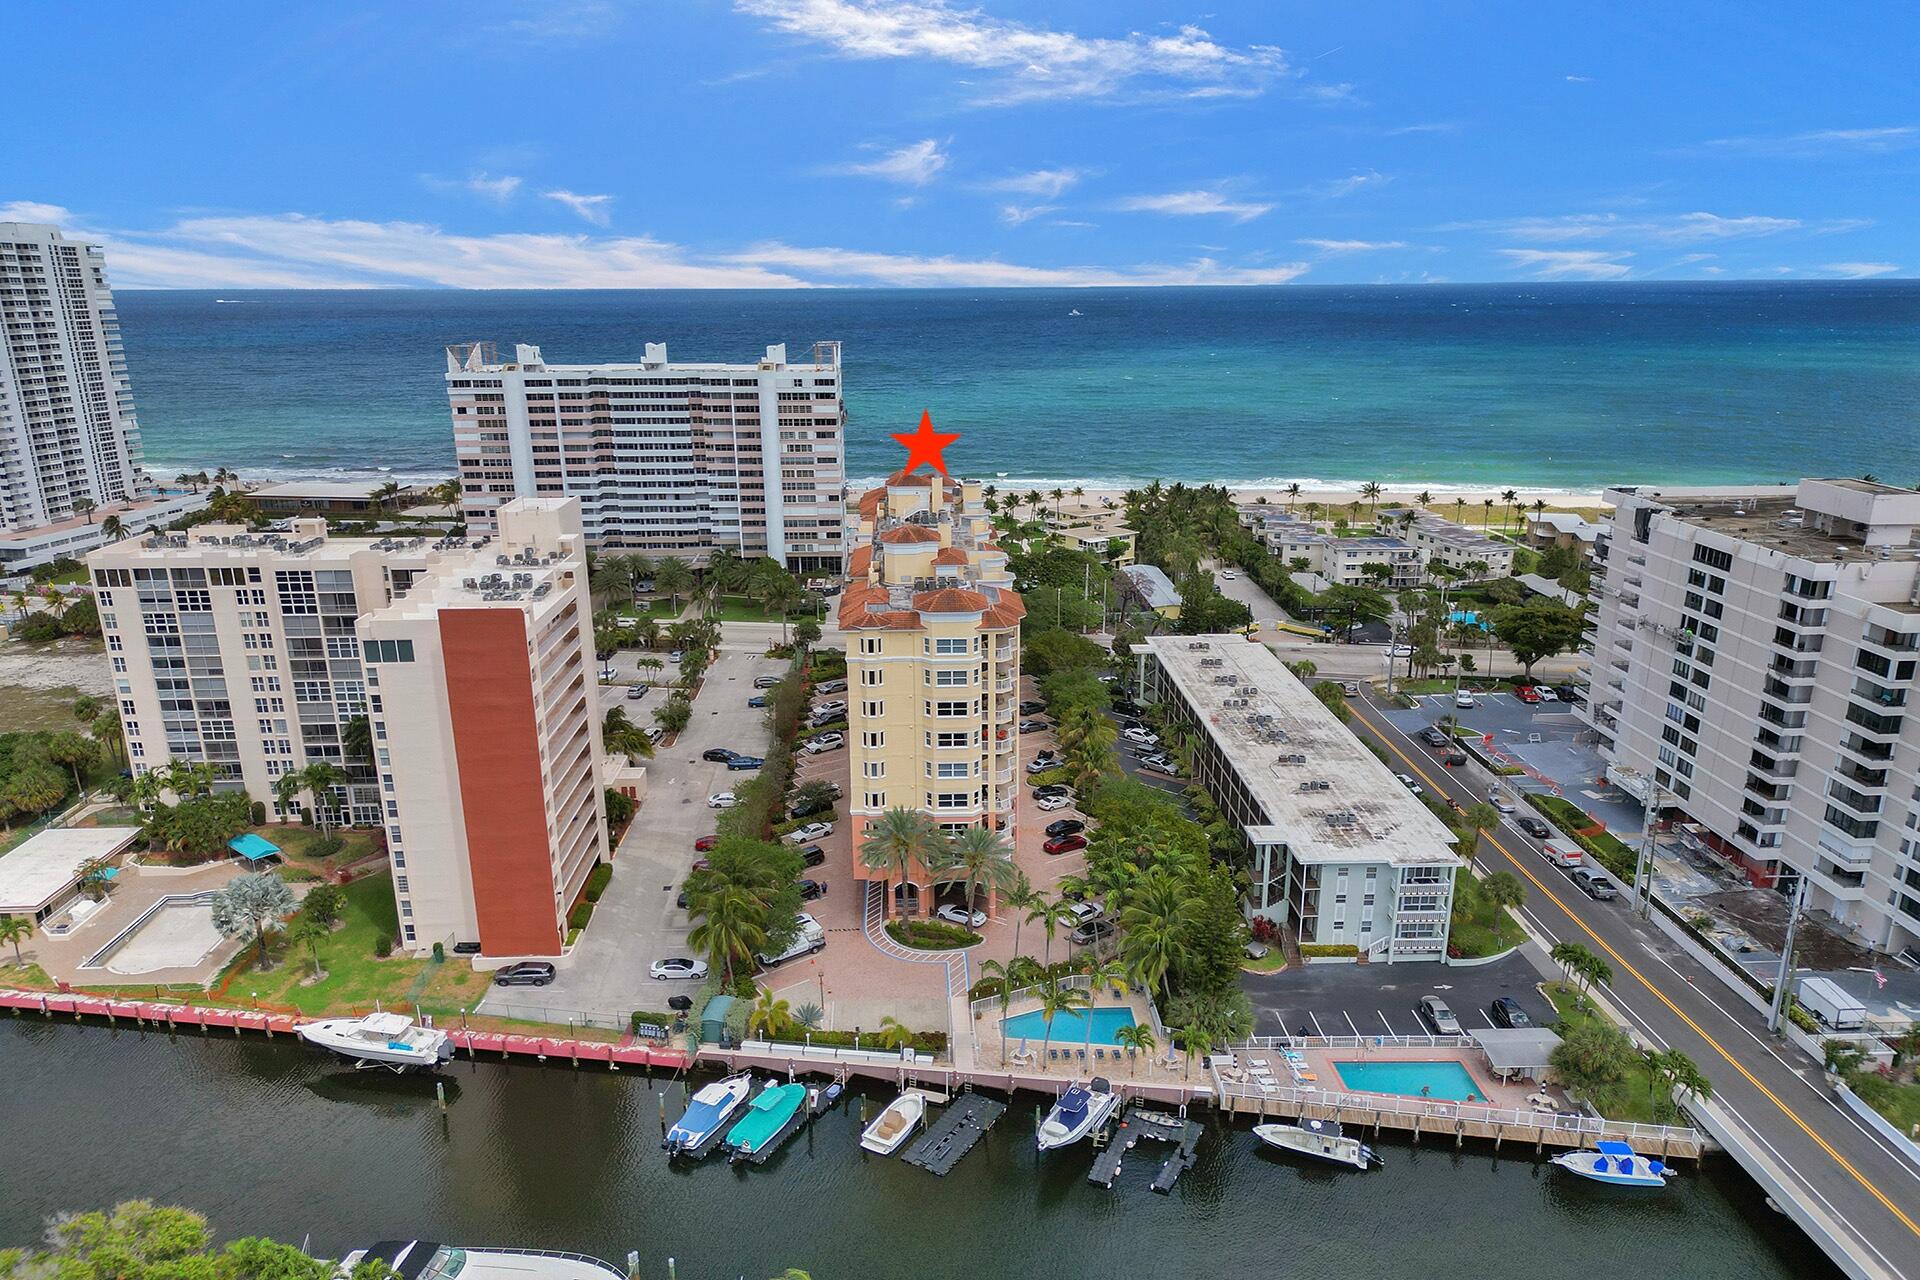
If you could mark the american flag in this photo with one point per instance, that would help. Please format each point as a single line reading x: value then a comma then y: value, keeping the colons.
x: 1879, y: 980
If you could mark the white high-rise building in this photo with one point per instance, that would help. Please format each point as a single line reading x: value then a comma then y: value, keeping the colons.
x: 67, y: 431
x: 1754, y: 658
x: 666, y: 459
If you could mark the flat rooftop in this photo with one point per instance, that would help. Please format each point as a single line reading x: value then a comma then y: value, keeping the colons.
x: 44, y: 866
x: 1778, y: 524
x: 1326, y: 796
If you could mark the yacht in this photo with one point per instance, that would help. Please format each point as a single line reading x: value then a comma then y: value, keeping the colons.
x: 1082, y: 1109
x: 388, y: 1040
x: 428, y: 1260
x: 706, y: 1112
x: 1615, y: 1163
x: 891, y: 1129
x: 775, y: 1112
x: 1321, y: 1139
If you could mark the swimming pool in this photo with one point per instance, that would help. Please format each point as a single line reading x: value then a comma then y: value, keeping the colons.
x: 1447, y: 1081
x: 1070, y: 1025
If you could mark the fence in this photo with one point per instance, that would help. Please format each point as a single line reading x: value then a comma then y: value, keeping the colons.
x: 605, y: 1021
x: 830, y: 1053
x: 1357, y: 1042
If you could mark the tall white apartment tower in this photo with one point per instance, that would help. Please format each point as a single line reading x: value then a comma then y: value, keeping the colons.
x: 1754, y: 658
x: 67, y: 431
x: 666, y: 459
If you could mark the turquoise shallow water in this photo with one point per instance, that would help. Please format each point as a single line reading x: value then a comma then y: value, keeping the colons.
x: 1069, y: 1027
x: 1447, y: 1081
x: 1567, y: 386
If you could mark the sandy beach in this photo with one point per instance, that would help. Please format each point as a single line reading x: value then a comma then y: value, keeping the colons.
x: 1443, y: 499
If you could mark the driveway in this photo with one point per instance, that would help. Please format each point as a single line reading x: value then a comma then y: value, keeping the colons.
x: 1378, y: 999
x: 636, y: 921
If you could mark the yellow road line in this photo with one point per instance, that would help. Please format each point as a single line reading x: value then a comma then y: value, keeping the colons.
x: 1661, y: 996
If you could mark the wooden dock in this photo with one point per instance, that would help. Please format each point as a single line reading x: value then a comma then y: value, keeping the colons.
x: 955, y: 1133
x: 1139, y: 1124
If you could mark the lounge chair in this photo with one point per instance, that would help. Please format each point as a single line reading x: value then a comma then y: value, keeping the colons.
x: 1081, y: 1054
x: 1099, y: 1055
x: 1053, y: 1055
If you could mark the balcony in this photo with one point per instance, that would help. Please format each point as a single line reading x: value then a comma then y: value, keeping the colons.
x: 1867, y: 749
x: 1769, y: 766
x: 1878, y: 694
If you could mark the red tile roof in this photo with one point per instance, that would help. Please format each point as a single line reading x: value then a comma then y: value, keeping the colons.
x: 950, y: 555
x: 950, y: 600
x: 900, y: 535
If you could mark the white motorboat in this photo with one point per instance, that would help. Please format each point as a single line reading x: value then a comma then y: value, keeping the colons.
x: 388, y: 1040
x: 428, y: 1260
x: 892, y: 1127
x: 706, y: 1113
x: 1321, y: 1139
x: 1615, y: 1163
x: 1082, y: 1109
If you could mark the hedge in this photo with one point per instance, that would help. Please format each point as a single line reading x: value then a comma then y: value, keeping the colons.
x: 930, y: 935
x: 934, y: 1042
x: 1329, y: 949
x: 597, y: 881
x: 581, y: 913
x: 653, y: 1016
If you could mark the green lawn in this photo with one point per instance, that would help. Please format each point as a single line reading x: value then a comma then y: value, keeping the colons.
x: 663, y: 609
x: 298, y: 844
x: 1636, y: 1093
x: 1898, y: 1102
x: 23, y: 709
x: 355, y: 977
x: 1486, y: 930
x: 747, y: 609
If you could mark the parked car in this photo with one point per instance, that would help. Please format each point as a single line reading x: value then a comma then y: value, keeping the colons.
x: 705, y: 844
x: 676, y: 655
x: 1065, y: 827
x: 1127, y: 707
x: 1501, y: 800
x: 1399, y: 651
x: 1160, y: 764
x: 1532, y: 826
x: 811, y: 832
x: 757, y: 700
x: 740, y: 763
x: 1463, y: 699
x: 1506, y: 1012
x: 808, y: 937
x: 722, y: 800
x: 824, y: 742
x: 831, y: 686
x: 676, y: 968
x: 1091, y: 932
x: 765, y: 682
x: 1032, y: 726
x: 1593, y: 884
x: 1032, y: 707
x: 810, y: 890
x: 1563, y: 855
x: 1047, y: 804
x: 1053, y: 789
x: 961, y: 916
x: 1350, y: 687
x: 680, y: 1004
x: 1064, y: 844
x: 527, y: 973
x: 1081, y: 912
x: 812, y: 856
x: 1434, y: 1012
x: 1527, y: 694
x: 719, y: 755
x: 834, y: 706
x: 1566, y: 692
x: 821, y: 719
x: 1044, y: 761
x: 1406, y: 780
x: 1434, y: 736
x: 635, y: 692
x: 1142, y: 735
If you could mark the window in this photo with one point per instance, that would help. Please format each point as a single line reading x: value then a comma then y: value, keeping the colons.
x: 876, y: 800
x: 952, y: 644
x: 952, y: 678
x: 873, y: 738
x: 956, y: 769
x: 949, y: 709
x: 873, y: 710
x: 871, y: 676
x: 953, y: 800
x: 1713, y: 559
x: 874, y: 768
x: 870, y: 644
x: 388, y: 650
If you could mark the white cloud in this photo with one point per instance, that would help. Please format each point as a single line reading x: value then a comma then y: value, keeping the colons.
x: 1353, y: 246
x: 595, y: 209
x: 578, y: 20
x: 1346, y: 186
x: 1823, y: 142
x: 1194, y: 204
x: 1029, y: 61
x: 915, y: 165
x: 1574, y: 264
x: 1861, y: 270
x: 1675, y: 229
x: 500, y: 188
x: 295, y: 251
x: 1436, y: 126
x: 1015, y: 214
x: 1579, y: 79
x: 1050, y: 183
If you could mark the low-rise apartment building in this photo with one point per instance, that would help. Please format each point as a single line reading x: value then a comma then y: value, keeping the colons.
x: 254, y: 652
x: 1441, y: 541
x: 667, y: 459
x: 932, y: 627
x: 1754, y: 658
x: 1337, y: 848
x: 1150, y: 585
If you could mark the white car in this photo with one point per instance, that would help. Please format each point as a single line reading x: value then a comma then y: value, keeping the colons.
x: 1501, y: 801
x: 1406, y: 780
x: 677, y: 967
x: 1048, y: 804
x: 1145, y: 737
x: 1463, y: 699
x: 825, y: 742
x: 1400, y: 651
x: 1228, y: 575
x: 811, y: 832
x: 961, y: 916
x: 834, y: 708
x: 722, y: 800
x: 1082, y: 912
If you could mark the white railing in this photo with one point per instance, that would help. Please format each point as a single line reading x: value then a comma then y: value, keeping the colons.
x: 831, y: 1053
x: 1356, y: 1042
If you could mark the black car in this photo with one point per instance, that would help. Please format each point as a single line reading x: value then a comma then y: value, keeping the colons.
x: 812, y: 889
x: 1454, y: 759
x: 813, y: 855
x: 1434, y: 736
x: 1532, y: 826
x: 1065, y: 827
x: 1052, y: 789
x: 719, y: 755
x: 1506, y: 1012
x: 527, y: 973
x: 1032, y: 708
x: 1565, y: 692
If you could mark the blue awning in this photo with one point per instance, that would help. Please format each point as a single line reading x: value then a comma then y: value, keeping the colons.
x: 254, y: 848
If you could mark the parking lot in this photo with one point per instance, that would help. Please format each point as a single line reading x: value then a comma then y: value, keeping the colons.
x: 636, y: 921
x: 1378, y: 999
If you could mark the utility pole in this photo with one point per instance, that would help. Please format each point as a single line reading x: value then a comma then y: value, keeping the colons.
x: 1643, y: 865
x: 1783, y: 980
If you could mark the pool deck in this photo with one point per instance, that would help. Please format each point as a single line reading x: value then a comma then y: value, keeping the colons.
x: 1065, y: 1055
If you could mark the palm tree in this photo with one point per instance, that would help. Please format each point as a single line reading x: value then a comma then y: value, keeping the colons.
x: 731, y: 926
x: 1459, y: 509
x: 894, y: 1034
x: 1486, y: 512
x: 978, y: 859
x: 1480, y: 819
x: 113, y: 528
x: 1425, y: 499
x: 1056, y: 999
x: 1371, y: 492
x: 1158, y: 919
x: 673, y: 576
x: 770, y: 1015
x: 383, y: 495
x: 1503, y: 889
x: 319, y: 779
x: 1050, y: 915
x: 1195, y: 1041
x: 14, y: 930
x: 1136, y: 1038
x: 356, y: 739
x: 1002, y: 975
x: 1021, y: 898
x: 898, y: 840
x: 307, y: 930
x: 1293, y: 492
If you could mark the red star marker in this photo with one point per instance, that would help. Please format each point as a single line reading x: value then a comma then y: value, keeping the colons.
x: 925, y: 444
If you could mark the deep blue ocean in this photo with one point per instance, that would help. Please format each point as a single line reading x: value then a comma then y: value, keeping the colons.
x: 1545, y: 386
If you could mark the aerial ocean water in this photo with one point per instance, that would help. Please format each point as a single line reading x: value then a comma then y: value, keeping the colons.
x: 1558, y: 386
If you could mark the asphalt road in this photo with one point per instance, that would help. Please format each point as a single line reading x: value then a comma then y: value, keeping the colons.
x: 1379, y: 999
x: 1772, y: 1090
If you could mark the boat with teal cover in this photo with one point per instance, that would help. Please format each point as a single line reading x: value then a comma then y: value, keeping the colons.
x: 772, y: 1115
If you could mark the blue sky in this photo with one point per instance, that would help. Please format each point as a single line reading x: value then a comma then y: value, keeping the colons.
x: 751, y: 143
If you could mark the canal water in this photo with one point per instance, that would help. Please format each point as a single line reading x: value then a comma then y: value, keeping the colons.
x: 266, y: 1138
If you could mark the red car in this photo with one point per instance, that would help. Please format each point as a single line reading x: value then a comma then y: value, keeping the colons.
x: 1526, y: 693
x: 705, y: 843
x: 1064, y: 844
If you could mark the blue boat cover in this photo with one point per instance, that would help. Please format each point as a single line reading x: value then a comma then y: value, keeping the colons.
x: 1614, y: 1148
x: 1073, y: 1102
